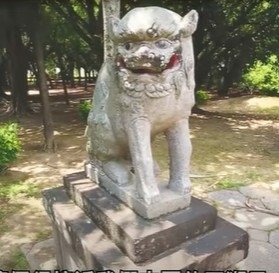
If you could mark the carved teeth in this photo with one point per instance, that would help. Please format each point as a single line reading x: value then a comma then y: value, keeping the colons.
x: 162, y: 58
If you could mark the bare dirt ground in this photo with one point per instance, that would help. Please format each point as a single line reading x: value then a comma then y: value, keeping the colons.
x: 228, y: 151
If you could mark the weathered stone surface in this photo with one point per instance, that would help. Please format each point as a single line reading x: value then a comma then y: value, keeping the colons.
x: 269, y: 197
x: 272, y: 203
x: 41, y: 255
x: 255, y: 191
x: 145, y: 88
x: 81, y: 239
x: 258, y: 235
x: 257, y: 220
x: 274, y: 238
x: 261, y: 257
x: 168, y: 202
x: 139, y: 238
x: 228, y: 198
x: 243, y: 225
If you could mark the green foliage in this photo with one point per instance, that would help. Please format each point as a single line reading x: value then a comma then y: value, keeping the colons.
x: 228, y: 183
x: 9, y: 144
x: 201, y: 96
x: 264, y: 77
x: 18, y: 188
x: 84, y: 109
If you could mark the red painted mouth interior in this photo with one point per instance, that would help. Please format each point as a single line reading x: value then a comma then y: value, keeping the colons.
x: 174, y: 61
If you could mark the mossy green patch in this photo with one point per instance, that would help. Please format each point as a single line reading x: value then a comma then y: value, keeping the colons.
x: 16, y: 261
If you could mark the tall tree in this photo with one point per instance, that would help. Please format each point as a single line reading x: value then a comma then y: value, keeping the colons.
x: 42, y: 79
x: 12, y: 24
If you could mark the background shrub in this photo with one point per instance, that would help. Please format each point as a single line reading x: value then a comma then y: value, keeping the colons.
x: 9, y: 144
x: 264, y: 77
x: 201, y: 96
x: 84, y: 109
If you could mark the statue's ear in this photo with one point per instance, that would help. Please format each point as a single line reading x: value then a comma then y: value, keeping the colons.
x: 189, y: 23
x: 113, y: 26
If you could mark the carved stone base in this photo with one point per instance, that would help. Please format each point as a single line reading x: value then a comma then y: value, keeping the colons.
x: 169, y: 201
x: 82, y: 245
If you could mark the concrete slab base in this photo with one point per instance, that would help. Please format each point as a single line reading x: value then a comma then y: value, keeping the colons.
x: 81, y: 245
x: 169, y: 201
x: 141, y: 239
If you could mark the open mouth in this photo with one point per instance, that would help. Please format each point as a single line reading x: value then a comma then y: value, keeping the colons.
x: 154, y: 67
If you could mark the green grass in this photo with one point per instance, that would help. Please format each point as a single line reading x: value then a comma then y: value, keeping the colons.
x: 16, y: 261
x: 6, y: 210
x: 228, y: 183
x: 14, y: 189
x: 9, y: 192
x: 43, y: 235
x: 272, y: 112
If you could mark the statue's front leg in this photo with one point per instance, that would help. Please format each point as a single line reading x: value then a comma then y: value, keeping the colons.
x: 140, y: 149
x: 180, y: 150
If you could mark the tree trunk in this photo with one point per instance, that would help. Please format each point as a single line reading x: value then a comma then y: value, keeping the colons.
x: 18, y: 71
x: 71, y: 73
x: 47, y: 116
x: 63, y: 77
x: 2, y: 82
x: 85, y: 80
x: 79, y: 76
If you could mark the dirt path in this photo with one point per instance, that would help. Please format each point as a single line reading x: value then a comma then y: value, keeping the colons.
x: 228, y: 151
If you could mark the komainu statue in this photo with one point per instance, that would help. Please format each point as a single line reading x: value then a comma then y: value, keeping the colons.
x: 145, y: 88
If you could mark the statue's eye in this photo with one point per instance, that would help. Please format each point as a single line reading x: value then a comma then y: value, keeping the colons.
x: 128, y: 46
x: 162, y: 44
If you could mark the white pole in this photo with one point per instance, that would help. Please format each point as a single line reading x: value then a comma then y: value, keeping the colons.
x: 110, y: 8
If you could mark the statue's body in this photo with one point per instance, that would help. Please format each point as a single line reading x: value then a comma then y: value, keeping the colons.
x: 145, y: 89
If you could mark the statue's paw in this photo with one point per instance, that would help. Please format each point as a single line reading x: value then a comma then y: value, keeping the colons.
x: 150, y: 195
x: 151, y: 198
x: 182, y: 187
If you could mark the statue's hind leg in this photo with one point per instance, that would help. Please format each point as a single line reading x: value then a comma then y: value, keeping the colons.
x: 180, y: 150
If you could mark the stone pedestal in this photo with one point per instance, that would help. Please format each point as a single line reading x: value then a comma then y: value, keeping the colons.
x: 94, y: 230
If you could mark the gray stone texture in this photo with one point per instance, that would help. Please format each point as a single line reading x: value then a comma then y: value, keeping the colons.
x: 270, y: 198
x: 139, y: 238
x: 257, y: 220
x: 84, y: 246
x: 40, y: 256
x: 258, y: 235
x: 274, y: 238
x: 228, y: 198
x: 262, y: 256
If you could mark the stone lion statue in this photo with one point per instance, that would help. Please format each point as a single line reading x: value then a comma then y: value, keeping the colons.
x: 146, y: 88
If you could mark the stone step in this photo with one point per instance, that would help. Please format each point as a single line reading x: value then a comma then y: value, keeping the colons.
x: 141, y: 239
x: 81, y: 245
